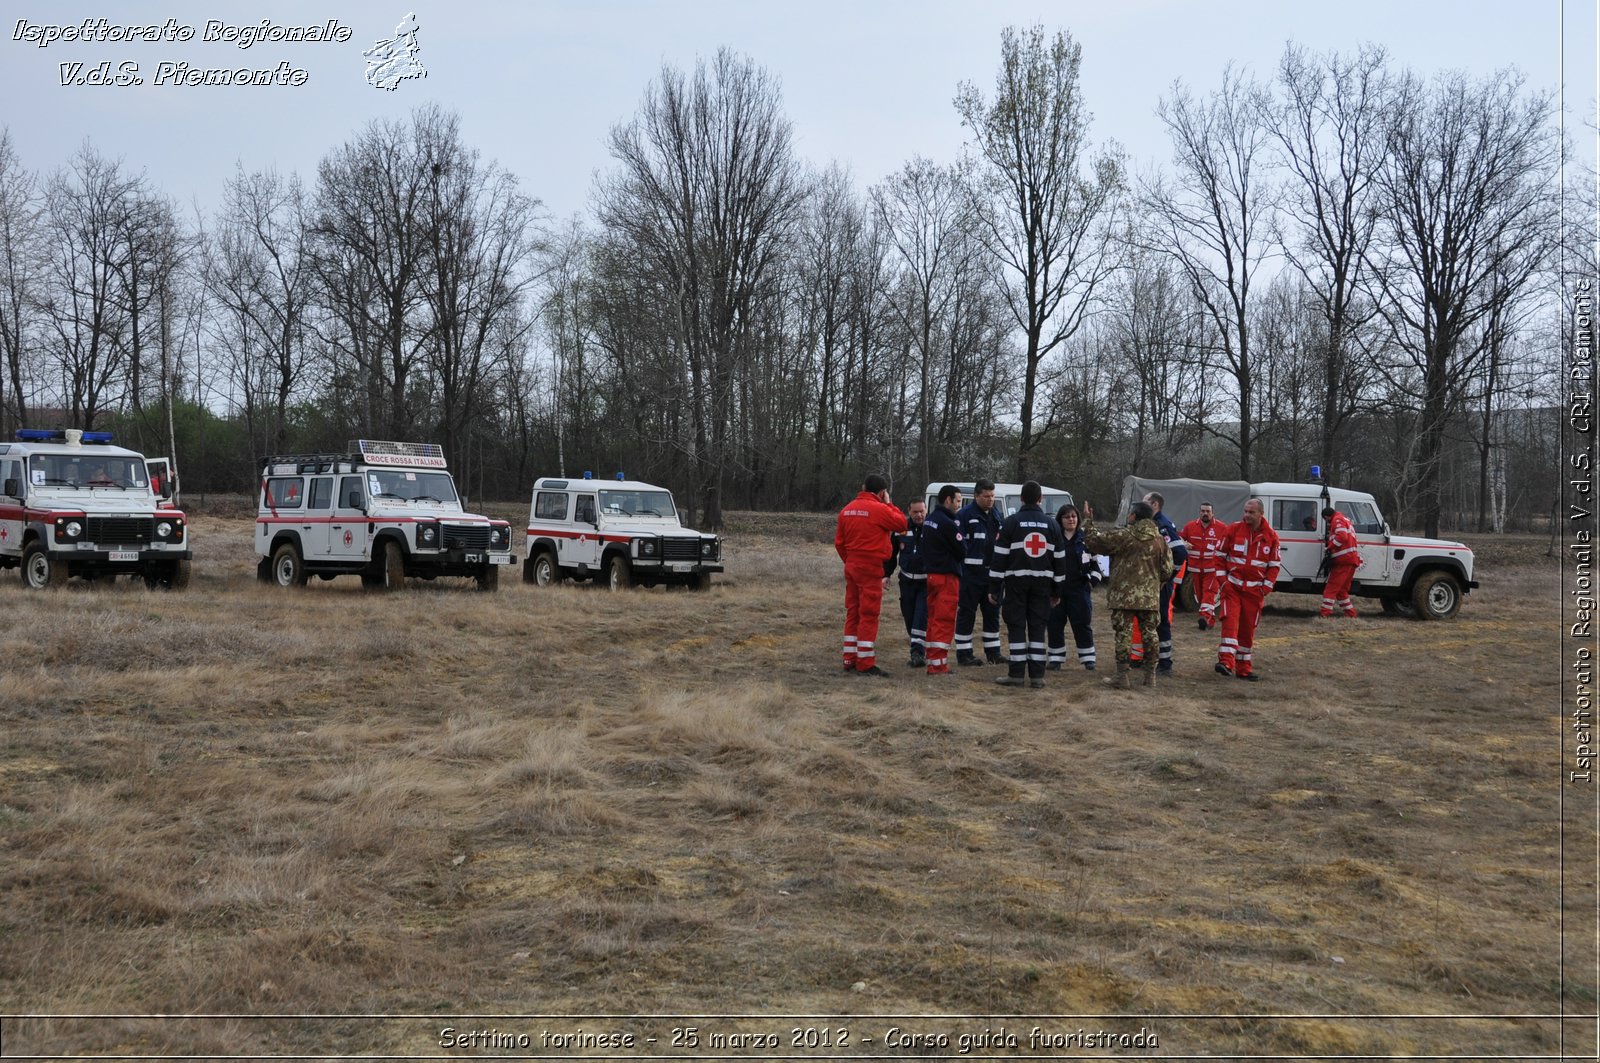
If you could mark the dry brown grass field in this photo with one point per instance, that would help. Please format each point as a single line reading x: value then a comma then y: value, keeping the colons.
x: 237, y: 800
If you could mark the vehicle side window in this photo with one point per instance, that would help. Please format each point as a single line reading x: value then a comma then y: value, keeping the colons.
x: 550, y: 505
x: 321, y: 493
x: 1368, y: 522
x: 585, y: 513
x: 1294, y: 515
x: 13, y: 471
x: 286, y: 492
x: 347, y: 486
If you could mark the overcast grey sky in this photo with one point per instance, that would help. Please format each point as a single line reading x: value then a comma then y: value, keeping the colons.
x: 866, y: 83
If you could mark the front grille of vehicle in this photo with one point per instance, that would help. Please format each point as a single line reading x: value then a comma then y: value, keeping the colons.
x: 681, y: 550
x: 466, y: 537
x: 118, y: 531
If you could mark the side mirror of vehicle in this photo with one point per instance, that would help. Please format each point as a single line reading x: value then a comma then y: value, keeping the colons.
x: 353, y: 499
x: 13, y: 487
x: 167, y: 488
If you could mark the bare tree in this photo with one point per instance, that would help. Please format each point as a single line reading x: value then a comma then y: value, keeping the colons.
x: 369, y: 251
x: 1046, y: 220
x: 258, y: 268
x: 925, y: 213
x: 478, y: 231
x: 1150, y: 327
x: 707, y: 190
x: 1213, y: 219
x: 20, y: 215
x: 1330, y: 125
x: 82, y: 300
x: 1465, y: 229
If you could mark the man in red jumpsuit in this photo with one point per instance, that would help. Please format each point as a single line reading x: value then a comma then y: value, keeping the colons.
x: 1344, y: 557
x: 863, y: 544
x: 1204, y: 537
x: 1250, y: 564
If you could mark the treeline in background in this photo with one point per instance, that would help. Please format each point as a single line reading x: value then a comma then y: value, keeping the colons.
x: 1345, y: 263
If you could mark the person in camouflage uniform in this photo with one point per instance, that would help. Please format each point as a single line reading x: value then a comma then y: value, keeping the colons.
x: 1141, y: 563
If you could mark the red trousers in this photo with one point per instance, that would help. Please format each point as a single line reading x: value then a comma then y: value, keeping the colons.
x: 1241, y: 610
x: 863, y: 600
x: 1207, y: 585
x: 1337, y: 592
x: 944, y: 595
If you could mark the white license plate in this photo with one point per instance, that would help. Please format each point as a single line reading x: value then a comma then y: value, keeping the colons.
x: 500, y: 559
x: 124, y: 555
x: 683, y: 566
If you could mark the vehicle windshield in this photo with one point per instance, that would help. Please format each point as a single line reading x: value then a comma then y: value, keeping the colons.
x: 637, y: 503
x: 409, y: 485
x: 88, y: 471
x: 1050, y: 503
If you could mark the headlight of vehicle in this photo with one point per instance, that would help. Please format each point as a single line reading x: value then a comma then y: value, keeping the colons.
x: 428, y: 536
x: 647, y: 548
x: 499, y: 538
x: 164, y: 529
x: 68, y: 529
x: 708, y: 548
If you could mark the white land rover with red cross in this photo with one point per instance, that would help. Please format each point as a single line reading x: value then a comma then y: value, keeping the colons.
x: 384, y: 511
x: 71, y: 504
x: 626, y: 530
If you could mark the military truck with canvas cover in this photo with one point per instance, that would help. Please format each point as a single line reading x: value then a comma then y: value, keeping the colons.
x: 72, y: 504
x: 1427, y: 578
x: 383, y: 511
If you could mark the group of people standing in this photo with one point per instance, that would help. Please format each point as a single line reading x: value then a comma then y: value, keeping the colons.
x: 960, y: 562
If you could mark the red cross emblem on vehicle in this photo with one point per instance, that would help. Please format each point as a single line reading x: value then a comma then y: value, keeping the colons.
x: 348, y: 538
x: 1035, y: 544
x: 5, y: 533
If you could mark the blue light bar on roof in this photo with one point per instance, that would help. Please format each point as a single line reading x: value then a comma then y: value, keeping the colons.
x: 57, y: 435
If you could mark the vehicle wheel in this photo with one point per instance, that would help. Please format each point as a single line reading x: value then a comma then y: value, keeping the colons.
x: 167, y: 575
x: 1186, y: 598
x: 394, y: 566
x: 1436, y: 596
x: 620, y: 573
x: 700, y: 581
x: 288, y: 569
x: 37, y: 569
x: 1397, y: 607
x: 489, y: 578
x: 546, y: 572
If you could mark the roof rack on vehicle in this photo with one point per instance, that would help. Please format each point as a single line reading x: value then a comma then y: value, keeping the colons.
x: 291, y: 464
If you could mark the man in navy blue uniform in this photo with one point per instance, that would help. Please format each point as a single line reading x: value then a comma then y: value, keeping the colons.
x: 913, y: 580
x: 945, y: 560
x: 1180, y: 554
x: 1029, y: 560
x: 979, y: 524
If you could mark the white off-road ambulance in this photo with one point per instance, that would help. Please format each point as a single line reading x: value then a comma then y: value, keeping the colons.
x: 625, y: 529
x: 72, y: 504
x: 1007, y: 497
x: 383, y: 511
x: 1407, y: 574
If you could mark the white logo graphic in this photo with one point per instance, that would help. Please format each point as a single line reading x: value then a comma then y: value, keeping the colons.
x: 395, y: 60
